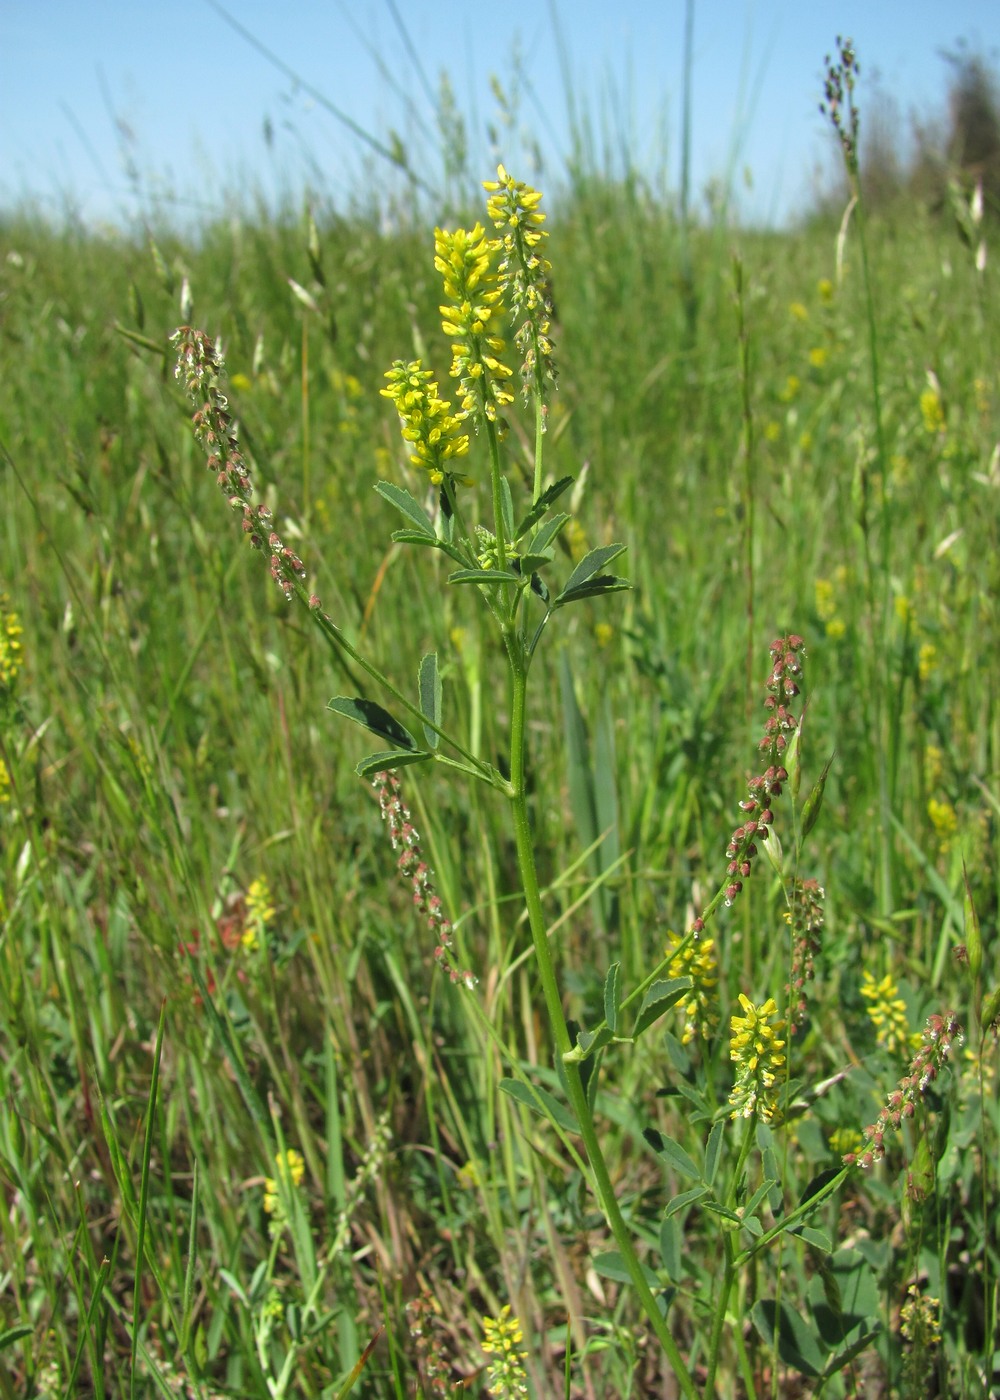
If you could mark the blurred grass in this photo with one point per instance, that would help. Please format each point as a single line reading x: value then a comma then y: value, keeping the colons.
x: 167, y: 744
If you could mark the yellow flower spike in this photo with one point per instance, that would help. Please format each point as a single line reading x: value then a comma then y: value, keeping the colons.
x: 756, y: 1048
x: 426, y: 420
x: 291, y: 1172
x: 514, y: 210
x: 11, y: 654
x: 887, y: 1013
x: 502, y: 1340
x: 698, y: 1007
x: 465, y: 260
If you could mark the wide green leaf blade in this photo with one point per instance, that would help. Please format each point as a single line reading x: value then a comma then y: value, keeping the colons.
x: 672, y: 1152
x: 374, y: 718
x: 388, y: 760
x: 661, y: 997
x: 592, y: 564
x: 484, y: 576
x: 540, y: 1101
x: 593, y: 588
x: 540, y: 506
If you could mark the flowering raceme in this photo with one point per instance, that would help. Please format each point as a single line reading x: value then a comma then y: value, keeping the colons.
x: 426, y: 419
x: 756, y: 1049
x: 465, y: 261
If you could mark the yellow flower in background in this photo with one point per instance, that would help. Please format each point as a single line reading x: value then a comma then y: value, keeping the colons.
x: 791, y: 388
x: 943, y: 819
x: 11, y: 653
x: 772, y: 431
x: 844, y: 1140
x: 824, y: 289
x: 260, y: 911
x: 836, y: 628
x: 4, y: 783
x: 604, y: 634
x: 805, y: 442
x: 932, y: 411
x: 887, y: 1013
x: 933, y: 765
x: 798, y: 311
x: 927, y: 662
x: 756, y: 1048
x: 818, y: 356
x: 698, y: 1006
x: 904, y: 608
x: 291, y: 1171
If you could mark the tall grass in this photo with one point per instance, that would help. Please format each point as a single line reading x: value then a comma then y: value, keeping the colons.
x: 165, y: 1046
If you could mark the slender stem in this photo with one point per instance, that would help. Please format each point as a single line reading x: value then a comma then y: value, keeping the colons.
x: 729, y: 1269
x: 602, y: 1183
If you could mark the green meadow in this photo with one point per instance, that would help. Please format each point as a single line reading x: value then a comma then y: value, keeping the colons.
x: 254, y: 1140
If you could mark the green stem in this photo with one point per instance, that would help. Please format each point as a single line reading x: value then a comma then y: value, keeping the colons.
x: 729, y: 1269
x: 602, y: 1183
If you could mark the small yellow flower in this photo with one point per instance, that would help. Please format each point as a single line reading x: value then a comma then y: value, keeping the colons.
x: 805, y: 441
x: 698, y: 1007
x: 887, y: 1013
x: 756, y: 1048
x: 927, y: 662
x: 844, y: 1140
x: 772, y: 431
x: 824, y: 288
x: 604, y: 634
x: 4, y: 783
x: 818, y: 356
x: 904, y: 608
x: 791, y: 388
x: 933, y: 765
x: 259, y: 911
x: 836, y: 628
x: 11, y: 656
x: 943, y: 820
x: 826, y: 602
x: 240, y: 382
x: 932, y: 411
x: 798, y: 311
x: 502, y: 1340
x: 291, y: 1171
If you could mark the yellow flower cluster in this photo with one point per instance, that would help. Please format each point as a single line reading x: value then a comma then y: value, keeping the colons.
x: 4, y: 783
x: 465, y: 261
x: 502, y: 1339
x: 427, y: 421
x: 826, y: 603
x: 944, y: 820
x: 523, y: 273
x: 291, y: 1171
x: 756, y: 1048
x: 932, y: 411
x: 698, y: 1007
x: 11, y: 655
x: 887, y: 1013
x: 259, y: 911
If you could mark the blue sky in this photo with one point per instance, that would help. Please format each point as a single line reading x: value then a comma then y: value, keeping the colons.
x: 110, y: 104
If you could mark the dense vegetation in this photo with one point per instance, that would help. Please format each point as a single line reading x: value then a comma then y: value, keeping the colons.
x: 207, y: 962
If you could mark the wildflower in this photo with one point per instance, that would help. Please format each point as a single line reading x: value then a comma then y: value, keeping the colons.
x: 291, y: 1170
x: 940, y: 1036
x: 524, y: 276
x: 843, y: 1140
x: 755, y: 1047
x: 921, y: 1330
x: 465, y: 260
x: 887, y: 1013
x: 502, y: 1339
x: 818, y: 356
x: 603, y: 634
x: 927, y: 662
x: 932, y: 411
x: 698, y: 1007
x: 427, y: 422
x: 259, y: 912
x: 805, y: 441
x: 798, y: 311
x: 826, y: 605
x: 772, y: 431
x: 836, y: 629
x: 782, y: 687
x: 933, y: 765
x: 412, y: 866
x: 824, y: 289
x: 805, y: 915
x: 791, y: 388
x: 904, y: 609
x: 11, y: 658
x: 943, y: 819
x: 200, y: 366
x: 4, y: 783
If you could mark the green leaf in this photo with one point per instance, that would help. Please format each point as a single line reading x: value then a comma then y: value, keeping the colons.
x: 814, y: 802
x: 540, y: 1101
x: 373, y: 718
x: 389, y: 759
x: 14, y: 1334
x: 541, y: 506
x: 591, y: 565
x: 544, y: 537
x: 783, y: 1329
x: 661, y: 997
x: 671, y: 1152
x: 604, y: 583
x: 611, y: 995
x: 684, y: 1199
x: 714, y: 1150
x: 590, y: 1042
x: 670, y: 1247
x: 399, y: 497
x: 430, y: 695
x: 845, y: 1357
x: 816, y: 1238
x: 531, y: 562
x: 484, y: 576
x: 758, y: 1196
x: 506, y: 509
x: 612, y: 1265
